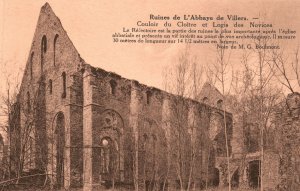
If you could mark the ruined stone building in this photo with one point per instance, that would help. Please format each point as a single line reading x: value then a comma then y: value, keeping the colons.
x: 83, y: 126
x: 86, y: 127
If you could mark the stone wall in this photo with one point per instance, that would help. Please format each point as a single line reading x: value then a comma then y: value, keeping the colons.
x: 83, y: 109
x: 288, y: 129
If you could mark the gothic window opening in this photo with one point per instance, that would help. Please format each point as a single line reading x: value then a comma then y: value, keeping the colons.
x: 252, y: 140
x: 50, y: 86
x: 235, y: 179
x: 205, y: 100
x: 60, y: 148
x: 44, y: 44
x: 113, y: 87
x: 64, y: 84
x: 54, y: 48
x: 220, y: 104
x: 148, y: 97
x: 111, y: 155
x: 28, y: 103
x: 31, y: 64
x: 43, y: 50
x: 254, y: 174
x: 29, y: 158
x: 1, y: 148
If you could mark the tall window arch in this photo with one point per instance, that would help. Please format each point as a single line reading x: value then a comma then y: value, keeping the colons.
x: 205, y: 100
x: 28, y: 103
x: 111, y: 140
x: 148, y: 97
x: 44, y: 44
x: 31, y: 64
x: 64, y: 84
x: 50, y: 86
x: 54, y: 47
x: 113, y: 87
x: 60, y: 147
x: 43, y: 50
x: 220, y: 104
x: 1, y: 148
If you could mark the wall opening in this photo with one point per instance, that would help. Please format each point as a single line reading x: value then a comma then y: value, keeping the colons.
x: 60, y: 146
x: 28, y: 103
x: 31, y: 64
x: 54, y: 48
x: 64, y: 85
x: 220, y: 104
x: 252, y: 134
x: 43, y: 50
x: 254, y: 174
x: 1, y: 149
x: 235, y: 179
x: 110, y: 160
x: 215, y: 179
x: 113, y: 87
x: 205, y: 100
x: 148, y: 97
x: 50, y: 86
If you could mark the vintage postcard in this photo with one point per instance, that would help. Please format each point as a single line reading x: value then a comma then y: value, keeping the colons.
x: 150, y: 95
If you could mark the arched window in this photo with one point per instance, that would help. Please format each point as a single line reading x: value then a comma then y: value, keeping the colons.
x: 60, y: 148
x: 28, y: 103
x: 145, y: 136
x: 43, y: 50
x: 148, y: 97
x: 1, y: 148
x: 44, y: 44
x: 31, y: 64
x: 113, y: 87
x: 54, y: 48
x: 220, y: 104
x: 50, y: 86
x: 64, y: 81
x: 254, y: 173
x: 205, y: 100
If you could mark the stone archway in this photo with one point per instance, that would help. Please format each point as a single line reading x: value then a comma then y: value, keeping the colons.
x: 111, y: 154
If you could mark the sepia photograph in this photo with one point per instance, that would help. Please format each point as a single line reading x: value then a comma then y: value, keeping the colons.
x: 196, y: 95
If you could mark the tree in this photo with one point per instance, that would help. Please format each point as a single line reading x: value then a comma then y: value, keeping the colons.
x: 28, y: 155
x: 221, y: 69
x: 285, y: 74
x: 184, y: 79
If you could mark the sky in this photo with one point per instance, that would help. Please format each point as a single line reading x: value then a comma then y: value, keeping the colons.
x: 91, y: 23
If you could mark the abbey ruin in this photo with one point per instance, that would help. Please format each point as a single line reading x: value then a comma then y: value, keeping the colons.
x: 84, y: 127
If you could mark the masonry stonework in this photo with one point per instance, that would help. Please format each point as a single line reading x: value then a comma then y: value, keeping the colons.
x: 95, y: 129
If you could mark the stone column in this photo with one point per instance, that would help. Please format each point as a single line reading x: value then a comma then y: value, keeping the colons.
x: 67, y: 162
x: 166, y: 117
x: 135, y: 107
x: 166, y: 126
x: 87, y: 131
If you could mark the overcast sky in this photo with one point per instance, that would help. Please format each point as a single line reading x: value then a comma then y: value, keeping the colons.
x: 90, y: 24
